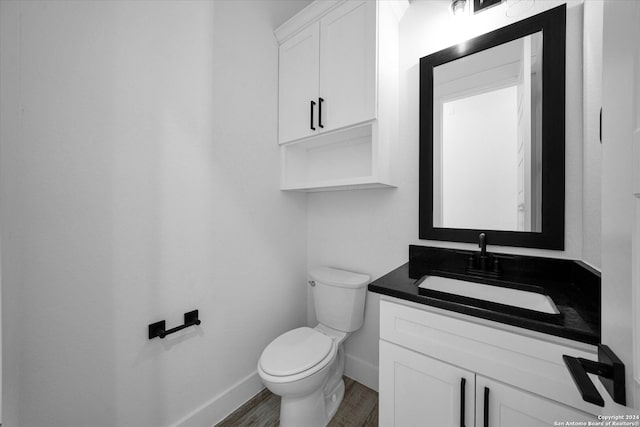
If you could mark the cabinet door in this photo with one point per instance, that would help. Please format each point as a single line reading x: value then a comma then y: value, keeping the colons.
x: 348, y: 64
x: 499, y: 405
x: 298, y: 85
x: 416, y: 390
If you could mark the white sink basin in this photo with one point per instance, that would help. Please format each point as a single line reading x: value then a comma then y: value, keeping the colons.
x: 508, y: 296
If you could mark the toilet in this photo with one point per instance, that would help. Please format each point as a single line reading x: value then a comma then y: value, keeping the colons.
x: 305, y: 365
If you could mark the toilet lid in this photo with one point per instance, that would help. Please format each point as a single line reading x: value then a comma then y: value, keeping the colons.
x: 295, y: 351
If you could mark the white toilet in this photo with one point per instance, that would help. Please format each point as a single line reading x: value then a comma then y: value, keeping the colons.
x: 304, y: 366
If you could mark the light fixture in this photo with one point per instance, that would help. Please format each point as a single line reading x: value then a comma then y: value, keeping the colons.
x: 458, y: 7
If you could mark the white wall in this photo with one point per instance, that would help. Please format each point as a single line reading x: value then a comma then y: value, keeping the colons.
x: 370, y: 230
x: 140, y: 180
x: 620, y: 188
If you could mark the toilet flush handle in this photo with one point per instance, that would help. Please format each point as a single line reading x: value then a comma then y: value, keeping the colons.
x: 312, y: 283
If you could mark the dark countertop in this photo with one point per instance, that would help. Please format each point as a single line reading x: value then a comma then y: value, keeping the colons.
x: 580, y: 316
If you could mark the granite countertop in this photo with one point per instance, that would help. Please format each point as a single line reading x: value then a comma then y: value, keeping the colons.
x: 580, y: 314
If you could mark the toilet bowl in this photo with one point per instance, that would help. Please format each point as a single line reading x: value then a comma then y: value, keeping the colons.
x: 305, y: 365
x: 301, y: 366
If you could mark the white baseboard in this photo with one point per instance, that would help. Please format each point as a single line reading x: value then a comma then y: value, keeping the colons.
x: 362, y: 371
x: 220, y: 406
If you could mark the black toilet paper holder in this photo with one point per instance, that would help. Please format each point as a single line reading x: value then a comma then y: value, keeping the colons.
x: 158, y: 329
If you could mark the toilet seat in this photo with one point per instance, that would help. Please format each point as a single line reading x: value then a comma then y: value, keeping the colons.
x: 296, y: 354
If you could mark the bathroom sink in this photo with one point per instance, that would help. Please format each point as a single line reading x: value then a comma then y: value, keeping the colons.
x: 469, y: 292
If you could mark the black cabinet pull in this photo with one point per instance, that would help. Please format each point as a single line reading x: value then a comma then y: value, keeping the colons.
x: 462, y: 384
x: 313, y: 103
x: 320, y: 101
x: 486, y: 407
x: 600, y: 134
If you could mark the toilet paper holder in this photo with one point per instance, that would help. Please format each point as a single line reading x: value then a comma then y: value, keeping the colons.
x: 158, y: 329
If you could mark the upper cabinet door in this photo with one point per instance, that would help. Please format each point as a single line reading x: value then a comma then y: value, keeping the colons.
x: 298, y: 85
x: 348, y: 64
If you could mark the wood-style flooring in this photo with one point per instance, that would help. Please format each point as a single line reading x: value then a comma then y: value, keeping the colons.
x: 359, y: 408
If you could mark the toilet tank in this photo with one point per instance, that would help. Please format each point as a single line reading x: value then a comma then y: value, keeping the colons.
x: 339, y: 297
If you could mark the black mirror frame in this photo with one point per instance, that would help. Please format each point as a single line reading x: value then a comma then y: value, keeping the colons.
x: 552, y: 23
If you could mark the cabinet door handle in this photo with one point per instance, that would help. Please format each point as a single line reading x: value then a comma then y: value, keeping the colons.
x: 462, y: 384
x: 486, y: 407
x: 320, y: 101
x: 313, y: 103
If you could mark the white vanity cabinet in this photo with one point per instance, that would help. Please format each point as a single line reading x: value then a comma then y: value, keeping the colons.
x: 436, y: 368
x: 337, y: 96
x: 417, y: 390
x: 508, y: 406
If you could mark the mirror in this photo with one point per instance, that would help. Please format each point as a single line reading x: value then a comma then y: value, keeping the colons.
x: 471, y: 135
x: 492, y: 136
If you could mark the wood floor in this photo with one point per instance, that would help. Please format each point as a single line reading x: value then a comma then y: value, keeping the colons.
x: 359, y: 408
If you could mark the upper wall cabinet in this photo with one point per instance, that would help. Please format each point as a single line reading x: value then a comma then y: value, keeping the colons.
x: 327, y: 73
x: 338, y: 89
x: 298, y: 84
x: 348, y: 64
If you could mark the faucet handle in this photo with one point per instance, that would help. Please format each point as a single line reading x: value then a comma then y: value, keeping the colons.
x: 471, y: 262
x: 496, y: 266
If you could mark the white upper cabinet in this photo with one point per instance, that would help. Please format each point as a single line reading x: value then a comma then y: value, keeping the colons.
x: 327, y: 72
x: 338, y: 94
x: 299, y: 75
x: 348, y: 64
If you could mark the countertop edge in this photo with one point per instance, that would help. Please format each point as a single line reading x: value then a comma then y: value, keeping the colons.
x: 396, y: 284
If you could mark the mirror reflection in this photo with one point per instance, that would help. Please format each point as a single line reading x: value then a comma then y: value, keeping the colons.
x: 487, y: 139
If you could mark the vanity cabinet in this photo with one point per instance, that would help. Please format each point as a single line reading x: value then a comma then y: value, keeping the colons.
x: 505, y: 406
x: 338, y: 90
x: 445, y: 370
x: 417, y: 390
